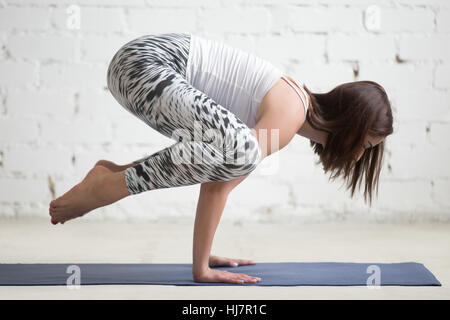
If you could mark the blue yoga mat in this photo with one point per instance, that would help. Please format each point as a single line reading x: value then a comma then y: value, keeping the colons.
x: 271, y: 274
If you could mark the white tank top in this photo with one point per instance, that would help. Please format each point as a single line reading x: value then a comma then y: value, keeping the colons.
x: 233, y: 78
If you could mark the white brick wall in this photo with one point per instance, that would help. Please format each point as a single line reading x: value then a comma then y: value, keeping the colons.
x: 57, y: 117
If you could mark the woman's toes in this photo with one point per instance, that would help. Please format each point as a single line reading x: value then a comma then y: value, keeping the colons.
x: 57, y: 203
x: 55, y: 209
x: 52, y: 204
x: 53, y: 218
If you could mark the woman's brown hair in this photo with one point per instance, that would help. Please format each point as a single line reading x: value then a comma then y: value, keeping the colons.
x: 348, y: 113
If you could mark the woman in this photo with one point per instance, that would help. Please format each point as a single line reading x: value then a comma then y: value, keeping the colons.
x: 183, y: 85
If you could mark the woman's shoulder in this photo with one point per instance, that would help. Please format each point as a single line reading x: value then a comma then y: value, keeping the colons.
x: 282, y: 97
x: 281, y: 109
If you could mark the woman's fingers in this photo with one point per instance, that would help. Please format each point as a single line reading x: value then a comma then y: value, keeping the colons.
x: 213, y: 275
x: 243, y: 262
x: 221, y: 262
x: 216, y: 261
x: 232, y: 277
x: 249, y: 278
x: 240, y: 262
x: 241, y: 278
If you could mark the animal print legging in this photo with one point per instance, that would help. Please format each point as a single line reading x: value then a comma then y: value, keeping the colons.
x: 147, y: 76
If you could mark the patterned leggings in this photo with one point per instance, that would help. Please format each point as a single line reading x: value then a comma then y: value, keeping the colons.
x: 147, y: 76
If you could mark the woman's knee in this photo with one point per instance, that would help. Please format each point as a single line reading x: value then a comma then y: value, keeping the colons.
x: 245, y: 154
x: 252, y: 150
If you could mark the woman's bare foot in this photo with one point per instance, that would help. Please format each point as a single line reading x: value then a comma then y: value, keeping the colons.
x: 100, y: 187
x: 112, y: 166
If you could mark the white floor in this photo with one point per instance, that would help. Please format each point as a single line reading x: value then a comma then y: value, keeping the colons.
x: 87, y: 241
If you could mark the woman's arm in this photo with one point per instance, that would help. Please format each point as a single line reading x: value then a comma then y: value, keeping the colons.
x: 283, y: 112
x: 210, y: 206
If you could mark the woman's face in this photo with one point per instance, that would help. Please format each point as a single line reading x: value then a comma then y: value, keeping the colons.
x: 369, y: 142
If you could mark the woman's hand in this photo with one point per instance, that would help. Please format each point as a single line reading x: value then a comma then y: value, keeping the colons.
x: 212, y: 275
x: 215, y: 261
